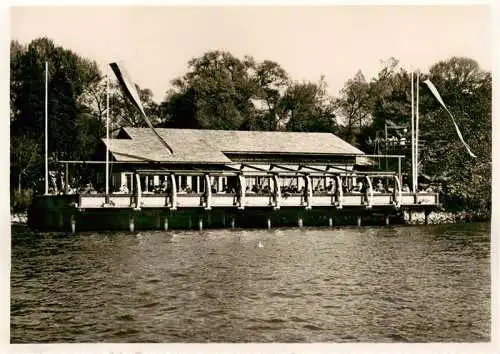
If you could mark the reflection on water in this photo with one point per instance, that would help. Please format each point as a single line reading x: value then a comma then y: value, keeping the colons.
x: 398, y: 284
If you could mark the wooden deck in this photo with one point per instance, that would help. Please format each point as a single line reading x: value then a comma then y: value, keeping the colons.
x: 164, y: 211
x: 227, y: 200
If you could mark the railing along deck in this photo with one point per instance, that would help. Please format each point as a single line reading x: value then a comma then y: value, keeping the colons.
x: 229, y: 200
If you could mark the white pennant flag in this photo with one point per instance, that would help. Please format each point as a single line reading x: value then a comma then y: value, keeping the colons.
x: 130, y: 91
x: 438, y: 97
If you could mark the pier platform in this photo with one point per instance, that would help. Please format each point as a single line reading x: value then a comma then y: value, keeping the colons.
x: 74, y: 213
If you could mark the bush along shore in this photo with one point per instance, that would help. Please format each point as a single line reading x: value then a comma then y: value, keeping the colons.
x: 19, y: 218
x: 441, y: 217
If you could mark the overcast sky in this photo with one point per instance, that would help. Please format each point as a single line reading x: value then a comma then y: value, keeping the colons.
x: 156, y: 43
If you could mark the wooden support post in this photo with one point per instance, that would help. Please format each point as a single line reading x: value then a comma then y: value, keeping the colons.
x: 300, y: 222
x: 73, y: 223
x: 330, y: 221
x: 66, y: 180
x: 233, y: 222
x: 131, y: 223
x: 165, y: 224
x: 208, y: 190
x: 359, y: 220
x: 158, y: 221
x: 209, y: 219
x: 190, y: 222
x: 173, y: 196
x: 387, y: 223
x: 200, y: 223
x: 277, y: 191
x: 242, y: 190
x: 426, y: 214
x: 309, y: 191
x: 224, y: 219
x: 139, y: 195
x: 399, y: 169
x: 61, y: 221
x: 269, y: 223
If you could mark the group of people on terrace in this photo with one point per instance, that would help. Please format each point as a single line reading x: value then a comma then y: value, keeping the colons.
x: 318, y: 187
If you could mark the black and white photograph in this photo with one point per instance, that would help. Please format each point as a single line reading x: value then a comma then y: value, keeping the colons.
x: 230, y: 173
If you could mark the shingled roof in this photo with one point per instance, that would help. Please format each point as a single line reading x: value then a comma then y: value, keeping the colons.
x: 210, y: 146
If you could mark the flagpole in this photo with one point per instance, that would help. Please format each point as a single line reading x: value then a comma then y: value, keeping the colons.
x: 412, y: 136
x: 417, y: 132
x: 385, y: 129
x: 107, y: 133
x: 46, y: 128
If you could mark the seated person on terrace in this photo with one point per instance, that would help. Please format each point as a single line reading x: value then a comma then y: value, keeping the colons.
x: 157, y: 189
x: 249, y: 190
x: 379, y: 187
x: 357, y: 188
x: 70, y: 190
x: 406, y: 189
x: 329, y: 188
x: 285, y: 192
x: 318, y: 189
x: 124, y: 189
x: 426, y: 188
x: 293, y: 188
x: 89, y: 188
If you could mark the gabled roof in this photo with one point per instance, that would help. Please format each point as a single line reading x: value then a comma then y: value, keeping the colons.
x: 210, y: 146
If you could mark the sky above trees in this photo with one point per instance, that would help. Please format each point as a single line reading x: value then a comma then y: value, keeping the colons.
x: 157, y: 42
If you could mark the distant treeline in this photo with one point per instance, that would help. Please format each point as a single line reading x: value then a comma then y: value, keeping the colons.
x: 220, y: 91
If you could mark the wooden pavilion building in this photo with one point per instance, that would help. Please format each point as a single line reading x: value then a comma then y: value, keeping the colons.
x: 227, y: 178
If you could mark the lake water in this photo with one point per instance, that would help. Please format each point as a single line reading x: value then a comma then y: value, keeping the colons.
x: 369, y: 284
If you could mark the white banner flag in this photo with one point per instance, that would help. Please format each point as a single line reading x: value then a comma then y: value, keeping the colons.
x: 131, y: 92
x: 438, y: 97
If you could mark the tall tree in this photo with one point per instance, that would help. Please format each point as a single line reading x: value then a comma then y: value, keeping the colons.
x: 217, y: 90
x: 390, y: 92
x: 308, y: 108
x: 69, y: 75
x: 466, y: 90
x: 354, y: 106
x: 272, y: 81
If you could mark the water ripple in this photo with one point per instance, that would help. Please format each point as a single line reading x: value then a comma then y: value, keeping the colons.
x: 397, y: 284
